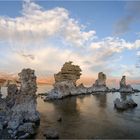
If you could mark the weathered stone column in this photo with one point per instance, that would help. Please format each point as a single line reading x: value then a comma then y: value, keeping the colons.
x: 24, y: 114
x: 65, y: 81
x: 124, y: 87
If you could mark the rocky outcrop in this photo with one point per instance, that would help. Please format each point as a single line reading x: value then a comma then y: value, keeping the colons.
x: 68, y: 72
x: 124, y: 87
x: 22, y: 115
x: 64, y: 89
x: 60, y: 90
x: 100, y: 84
x: 101, y: 81
x: 124, y: 104
x: 65, y: 82
x: 80, y: 89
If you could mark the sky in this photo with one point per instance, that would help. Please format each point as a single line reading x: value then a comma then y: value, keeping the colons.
x: 96, y: 35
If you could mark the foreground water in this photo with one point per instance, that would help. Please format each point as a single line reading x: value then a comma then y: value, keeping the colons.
x: 90, y: 116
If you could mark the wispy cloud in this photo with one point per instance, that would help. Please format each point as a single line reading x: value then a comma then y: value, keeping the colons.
x: 36, y: 24
x: 131, y: 15
x: 32, y: 36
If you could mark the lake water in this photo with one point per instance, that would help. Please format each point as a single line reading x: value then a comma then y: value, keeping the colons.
x: 89, y: 116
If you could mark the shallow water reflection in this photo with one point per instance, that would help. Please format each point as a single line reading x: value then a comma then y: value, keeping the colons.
x: 90, y: 116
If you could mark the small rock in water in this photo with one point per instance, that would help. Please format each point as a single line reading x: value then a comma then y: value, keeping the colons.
x: 59, y: 119
x: 124, y: 105
x: 51, y: 134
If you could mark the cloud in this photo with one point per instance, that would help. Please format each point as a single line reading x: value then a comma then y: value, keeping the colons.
x: 110, y: 46
x: 36, y: 24
x: 107, y: 55
x: 41, y: 39
x: 130, y: 71
x: 132, y: 10
x: 138, y: 59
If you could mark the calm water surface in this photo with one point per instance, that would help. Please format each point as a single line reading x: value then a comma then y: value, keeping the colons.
x: 90, y: 116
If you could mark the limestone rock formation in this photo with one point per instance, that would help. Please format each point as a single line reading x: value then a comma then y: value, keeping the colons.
x: 101, y: 81
x: 80, y: 89
x: 124, y: 87
x: 60, y: 90
x: 100, y: 84
x: 68, y: 72
x: 124, y: 104
x: 65, y: 82
x: 12, y: 92
x: 22, y: 115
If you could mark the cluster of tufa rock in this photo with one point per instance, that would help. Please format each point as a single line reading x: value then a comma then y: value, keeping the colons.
x: 21, y: 116
x: 65, y: 83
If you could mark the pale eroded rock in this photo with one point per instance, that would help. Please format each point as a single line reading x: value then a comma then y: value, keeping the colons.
x: 124, y: 104
x: 24, y: 111
x: 65, y: 82
x: 100, y: 84
x: 68, y: 72
x: 124, y: 87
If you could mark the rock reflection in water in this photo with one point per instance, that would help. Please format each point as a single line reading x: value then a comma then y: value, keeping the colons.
x: 102, y: 100
x: 125, y: 96
x: 90, y: 116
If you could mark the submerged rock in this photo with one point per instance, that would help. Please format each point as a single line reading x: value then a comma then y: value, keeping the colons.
x: 51, y: 134
x: 124, y: 104
x: 59, y: 119
x: 124, y: 87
